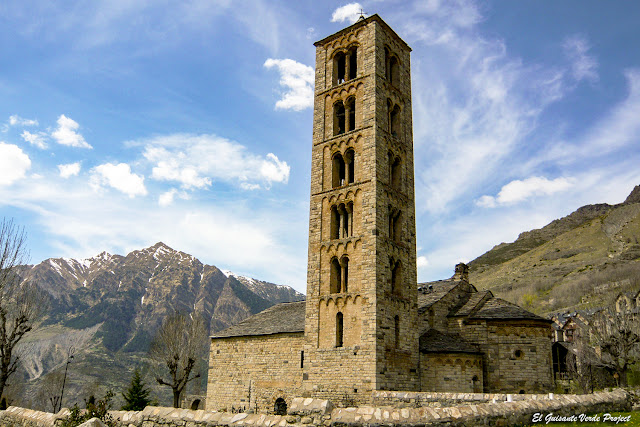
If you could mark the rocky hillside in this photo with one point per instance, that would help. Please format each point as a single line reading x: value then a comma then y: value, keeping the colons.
x: 108, y: 308
x: 582, y: 260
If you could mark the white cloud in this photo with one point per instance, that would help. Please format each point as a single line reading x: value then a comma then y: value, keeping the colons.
x: 349, y: 12
x: 14, y: 164
x: 119, y: 177
x: 194, y: 161
x: 166, y: 198
x: 70, y: 169
x: 16, y: 120
x: 65, y: 133
x: 518, y: 191
x: 583, y: 65
x: 297, y: 79
x: 37, y: 139
x: 422, y: 261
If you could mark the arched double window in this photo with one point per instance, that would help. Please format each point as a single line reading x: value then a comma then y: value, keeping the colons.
x: 342, y: 221
x: 343, y: 168
x: 345, y: 65
x: 339, y: 275
x: 344, y: 116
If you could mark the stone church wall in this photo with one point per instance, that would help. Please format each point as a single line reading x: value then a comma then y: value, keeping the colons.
x: 517, y: 354
x: 252, y: 372
x: 446, y: 372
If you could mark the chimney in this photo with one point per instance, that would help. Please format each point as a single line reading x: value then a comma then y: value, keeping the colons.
x: 461, y: 272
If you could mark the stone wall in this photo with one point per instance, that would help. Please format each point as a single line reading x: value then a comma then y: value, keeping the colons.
x: 517, y: 353
x: 455, y: 371
x: 321, y: 412
x: 252, y: 372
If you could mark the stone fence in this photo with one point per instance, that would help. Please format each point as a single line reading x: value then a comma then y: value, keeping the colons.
x: 411, y: 399
x: 322, y: 412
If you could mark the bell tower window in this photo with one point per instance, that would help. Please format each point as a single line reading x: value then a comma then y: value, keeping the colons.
x: 396, y: 277
x: 349, y: 161
x: 396, y: 328
x: 338, y: 118
x: 394, y: 118
x: 338, y: 171
x: 339, y: 68
x: 394, y: 171
x: 339, y: 329
x: 336, y: 276
x: 351, y: 113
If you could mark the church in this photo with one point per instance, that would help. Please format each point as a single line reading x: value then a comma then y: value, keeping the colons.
x: 366, y: 324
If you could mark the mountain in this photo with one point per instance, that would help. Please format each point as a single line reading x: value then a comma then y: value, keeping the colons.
x: 580, y: 261
x: 108, y: 308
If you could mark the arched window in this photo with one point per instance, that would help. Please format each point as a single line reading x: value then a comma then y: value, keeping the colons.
x: 396, y: 277
x: 349, y: 160
x: 335, y: 223
x: 353, y: 63
x: 339, y: 329
x: 395, y: 176
x: 349, y: 219
x: 338, y: 118
x: 338, y: 171
x: 394, y: 121
x: 344, y: 263
x: 395, y: 229
x: 396, y: 321
x: 392, y: 73
x: 351, y: 113
x: 335, y: 276
x: 339, y: 68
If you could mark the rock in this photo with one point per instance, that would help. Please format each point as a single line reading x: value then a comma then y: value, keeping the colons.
x: 93, y: 422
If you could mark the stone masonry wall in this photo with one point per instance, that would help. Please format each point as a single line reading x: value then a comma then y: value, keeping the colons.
x: 446, y: 372
x: 252, y: 372
x: 517, y: 354
x: 321, y: 412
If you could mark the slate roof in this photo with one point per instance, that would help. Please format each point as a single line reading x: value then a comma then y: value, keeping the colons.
x: 434, y: 341
x: 428, y: 296
x: 287, y: 317
x: 499, y: 309
x: 473, y: 303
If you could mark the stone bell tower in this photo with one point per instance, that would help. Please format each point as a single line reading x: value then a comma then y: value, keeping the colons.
x: 361, y: 312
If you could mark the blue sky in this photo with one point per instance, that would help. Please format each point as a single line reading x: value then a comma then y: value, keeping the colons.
x: 124, y: 123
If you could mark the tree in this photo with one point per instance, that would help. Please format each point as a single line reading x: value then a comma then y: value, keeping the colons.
x: 179, y: 345
x: 21, y: 304
x: 616, y: 337
x: 137, y: 395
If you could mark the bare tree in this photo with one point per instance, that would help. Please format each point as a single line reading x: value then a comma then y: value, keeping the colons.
x: 616, y: 338
x: 48, y: 395
x: 179, y: 345
x: 21, y: 304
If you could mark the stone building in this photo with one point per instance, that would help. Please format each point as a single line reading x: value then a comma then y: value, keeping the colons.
x: 365, y: 324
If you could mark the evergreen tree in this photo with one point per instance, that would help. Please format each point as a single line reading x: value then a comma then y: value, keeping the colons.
x: 137, y: 396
